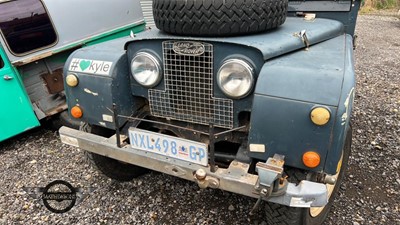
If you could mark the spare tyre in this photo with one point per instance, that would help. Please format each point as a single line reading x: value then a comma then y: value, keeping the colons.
x: 218, y: 17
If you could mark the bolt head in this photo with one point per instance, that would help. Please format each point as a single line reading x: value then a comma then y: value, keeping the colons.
x: 264, y: 191
x: 200, y: 174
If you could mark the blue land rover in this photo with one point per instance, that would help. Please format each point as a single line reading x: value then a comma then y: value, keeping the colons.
x: 252, y: 97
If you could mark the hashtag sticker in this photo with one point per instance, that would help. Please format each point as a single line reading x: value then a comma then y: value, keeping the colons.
x: 96, y: 67
x: 74, y: 64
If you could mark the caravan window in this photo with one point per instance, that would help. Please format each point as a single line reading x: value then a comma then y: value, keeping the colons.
x: 26, y: 26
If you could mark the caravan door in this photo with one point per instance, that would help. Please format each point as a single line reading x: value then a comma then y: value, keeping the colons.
x: 17, y: 114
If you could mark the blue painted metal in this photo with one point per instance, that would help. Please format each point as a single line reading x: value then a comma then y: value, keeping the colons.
x: 272, y: 43
x: 345, y: 108
x: 96, y: 94
x: 285, y: 128
x: 288, y: 88
x: 312, y: 75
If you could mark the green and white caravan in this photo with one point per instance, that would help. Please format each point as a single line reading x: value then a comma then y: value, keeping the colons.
x: 36, y: 38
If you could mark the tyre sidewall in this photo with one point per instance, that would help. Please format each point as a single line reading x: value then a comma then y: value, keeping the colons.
x: 109, y: 167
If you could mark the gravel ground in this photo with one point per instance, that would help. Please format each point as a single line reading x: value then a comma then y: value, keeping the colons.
x: 369, y: 194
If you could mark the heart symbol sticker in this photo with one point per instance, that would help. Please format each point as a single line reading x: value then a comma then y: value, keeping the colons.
x: 84, y: 64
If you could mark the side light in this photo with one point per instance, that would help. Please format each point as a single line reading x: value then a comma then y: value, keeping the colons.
x: 76, y: 112
x: 72, y: 80
x: 320, y: 116
x: 311, y: 159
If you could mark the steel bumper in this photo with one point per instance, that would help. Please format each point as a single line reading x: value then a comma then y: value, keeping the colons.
x: 233, y: 179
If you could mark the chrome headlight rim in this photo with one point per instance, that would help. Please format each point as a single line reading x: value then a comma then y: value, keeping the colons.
x: 156, y: 63
x: 250, y: 72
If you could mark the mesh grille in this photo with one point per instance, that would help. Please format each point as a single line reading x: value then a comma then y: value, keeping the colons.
x: 188, y: 94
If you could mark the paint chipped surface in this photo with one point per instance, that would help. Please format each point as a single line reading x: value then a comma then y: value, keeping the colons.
x: 346, y: 105
x: 90, y: 92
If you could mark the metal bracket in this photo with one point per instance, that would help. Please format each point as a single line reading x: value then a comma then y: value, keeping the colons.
x: 270, y: 171
x: 304, y: 38
x: 117, y: 131
x: 212, y: 148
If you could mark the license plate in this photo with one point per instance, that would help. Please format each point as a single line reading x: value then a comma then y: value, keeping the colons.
x: 174, y: 147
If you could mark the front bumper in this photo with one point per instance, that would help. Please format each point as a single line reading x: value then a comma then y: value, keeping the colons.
x: 234, y: 179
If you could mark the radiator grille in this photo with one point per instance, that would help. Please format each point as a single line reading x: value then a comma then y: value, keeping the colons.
x: 188, y: 94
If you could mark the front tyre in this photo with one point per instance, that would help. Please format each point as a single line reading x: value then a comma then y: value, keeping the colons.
x: 111, y: 168
x: 280, y: 214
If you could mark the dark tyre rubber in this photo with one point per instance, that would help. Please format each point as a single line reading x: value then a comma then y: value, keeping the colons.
x: 279, y: 214
x: 111, y: 168
x: 66, y: 120
x: 218, y: 17
x: 63, y: 119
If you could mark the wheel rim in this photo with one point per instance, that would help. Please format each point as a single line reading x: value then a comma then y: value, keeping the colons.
x: 316, y: 211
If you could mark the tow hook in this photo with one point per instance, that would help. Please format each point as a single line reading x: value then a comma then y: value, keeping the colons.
x: 205, y: 181
x: 270, y: 180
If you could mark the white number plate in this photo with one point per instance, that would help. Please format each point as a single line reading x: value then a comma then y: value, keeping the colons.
x: 179, y: 148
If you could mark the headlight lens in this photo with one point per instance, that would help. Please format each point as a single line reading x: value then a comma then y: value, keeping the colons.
x: 145, y: 69
x: 235, y: 78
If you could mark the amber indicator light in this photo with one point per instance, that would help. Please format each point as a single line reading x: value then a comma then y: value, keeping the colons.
x: 311, y: 159
x: 76, y: 112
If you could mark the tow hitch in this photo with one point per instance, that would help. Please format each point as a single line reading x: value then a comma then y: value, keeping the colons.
x: 270, y: 181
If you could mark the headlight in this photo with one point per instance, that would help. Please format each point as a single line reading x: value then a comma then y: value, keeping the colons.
x: 235, y: 78
x: 145, y: 69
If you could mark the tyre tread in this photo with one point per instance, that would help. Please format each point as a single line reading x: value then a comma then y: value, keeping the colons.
x: 217, y: 17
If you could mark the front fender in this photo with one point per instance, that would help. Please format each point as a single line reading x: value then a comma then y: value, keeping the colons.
x: 103, y: 74
x: 288, y: 88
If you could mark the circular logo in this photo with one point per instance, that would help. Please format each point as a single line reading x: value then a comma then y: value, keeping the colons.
x: 188, y: 48
x: 59, y: 196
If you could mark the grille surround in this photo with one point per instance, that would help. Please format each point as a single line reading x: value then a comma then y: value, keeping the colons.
x: 188, y: 94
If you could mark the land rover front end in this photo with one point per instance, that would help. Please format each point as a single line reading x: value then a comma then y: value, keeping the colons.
x: 266, y: 115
